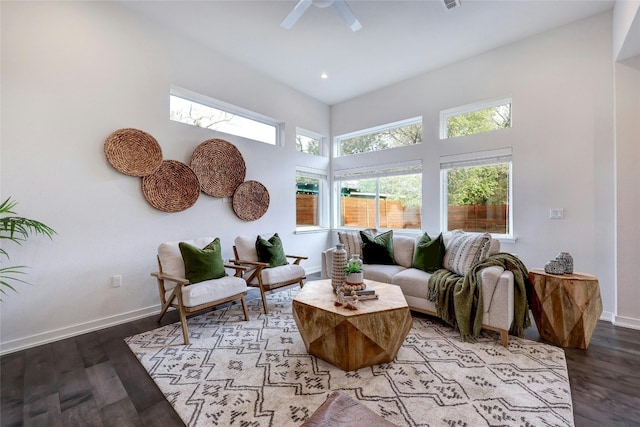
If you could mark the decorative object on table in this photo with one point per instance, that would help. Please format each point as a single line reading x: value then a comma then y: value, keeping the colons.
x: 250, y: 200
x: 566, y: 260
x: 172, y: 188
x: 554, y: 267
x: 354, y: 271
x: 528, y: 380
x: 338, y: 274
x: 566, y: 308
x: 219, y: 166
x: 133, y: 152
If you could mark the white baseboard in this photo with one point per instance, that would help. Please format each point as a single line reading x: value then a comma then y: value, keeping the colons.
x: 627, y: 322
x: 82, y: 328
x: 608, y: 316
x: 72, y: 331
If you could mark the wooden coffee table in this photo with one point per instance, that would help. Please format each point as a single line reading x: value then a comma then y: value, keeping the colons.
x: 352, y: 339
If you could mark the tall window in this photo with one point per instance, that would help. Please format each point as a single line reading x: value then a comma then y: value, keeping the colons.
x: 398, y: 134
x: 311, y: 193
x: 476, y: 190
x: 475, y: 118
x: 201, y: 111
x: 382, y: 198
x: 308, y: 142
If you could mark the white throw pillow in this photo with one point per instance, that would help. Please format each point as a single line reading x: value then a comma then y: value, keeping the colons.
x: 464, y: 250
x: 352, y: 241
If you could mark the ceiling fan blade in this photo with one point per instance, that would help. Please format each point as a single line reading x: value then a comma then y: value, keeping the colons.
x: 347, y: 15
x: 295, y: 14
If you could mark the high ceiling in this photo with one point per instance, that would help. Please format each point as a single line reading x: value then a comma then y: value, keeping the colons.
x: 398, y: 39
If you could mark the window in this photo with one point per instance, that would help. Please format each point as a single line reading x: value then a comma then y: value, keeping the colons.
x: 311, y: 188
x: 381, y: 198
x: 475, y: 118
x: 476, y: 189
x: 201, y: 111
x: 308, y: 142
x: 398, y: 134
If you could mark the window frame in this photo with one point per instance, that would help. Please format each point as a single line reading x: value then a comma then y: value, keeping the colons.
x: 313, y: 135
x: 374, y: 172
x: 226, y: 107
x: 323, y: 198
x: 337, y: 146
x: 470, y: 108
x: 476, y: 159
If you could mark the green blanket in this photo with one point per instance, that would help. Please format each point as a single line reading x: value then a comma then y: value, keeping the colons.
x: 459, y: 298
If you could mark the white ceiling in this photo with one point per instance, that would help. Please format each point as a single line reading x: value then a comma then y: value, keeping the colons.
x: 399, y: 39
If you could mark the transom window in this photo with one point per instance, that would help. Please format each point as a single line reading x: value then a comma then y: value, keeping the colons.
x: 308, y: 142
x: 392, y: 135
x: 475, y: 118
x: 201, y: 111
x: 383, y: 198
x: 476, y: 189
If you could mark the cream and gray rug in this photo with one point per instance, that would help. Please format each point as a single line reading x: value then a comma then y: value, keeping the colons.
x: 258, y: 373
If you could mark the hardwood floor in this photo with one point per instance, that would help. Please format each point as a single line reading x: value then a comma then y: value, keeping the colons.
x: 95, y: 380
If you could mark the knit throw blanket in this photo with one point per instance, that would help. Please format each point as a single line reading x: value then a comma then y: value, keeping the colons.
x: 459, y: 298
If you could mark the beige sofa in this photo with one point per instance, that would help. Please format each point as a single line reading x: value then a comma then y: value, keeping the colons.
x: 497, y: 283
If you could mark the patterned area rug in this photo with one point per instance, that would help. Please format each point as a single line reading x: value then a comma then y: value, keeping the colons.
x: 258, y: 373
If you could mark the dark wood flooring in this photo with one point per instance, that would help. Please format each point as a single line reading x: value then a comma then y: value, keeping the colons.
x: 95, y: 380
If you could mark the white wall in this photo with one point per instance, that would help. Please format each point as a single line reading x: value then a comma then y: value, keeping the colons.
x: 72, y: 73
x: 627, y: 79
x: 561, y: 83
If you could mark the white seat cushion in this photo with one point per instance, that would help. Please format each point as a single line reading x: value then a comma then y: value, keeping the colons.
x: 283, y: 273
x: 211, y: 290
x: 381, y: 273
x: 413, y: 282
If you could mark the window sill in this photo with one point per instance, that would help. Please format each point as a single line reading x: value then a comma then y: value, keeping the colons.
x: 308, y: 230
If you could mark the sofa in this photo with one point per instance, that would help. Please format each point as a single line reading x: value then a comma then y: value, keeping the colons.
x: 497, y: 283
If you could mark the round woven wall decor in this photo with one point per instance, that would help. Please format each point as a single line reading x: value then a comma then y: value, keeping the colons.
x: 133, y: 152
x: 174, y: 187
x: 251, y: 200
x: 219, y: 167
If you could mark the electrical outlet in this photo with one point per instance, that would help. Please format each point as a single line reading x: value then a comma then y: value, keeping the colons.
x: 557, y: 213
x: 116, y: 281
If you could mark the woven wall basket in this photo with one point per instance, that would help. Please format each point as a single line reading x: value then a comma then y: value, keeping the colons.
x: 219, y: 167
x: 174, y: 187
x: 251, y: 200
x: 133, y: 152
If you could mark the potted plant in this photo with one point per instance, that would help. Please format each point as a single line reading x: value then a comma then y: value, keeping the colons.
x: 16, y: 229
x: 354, y: 270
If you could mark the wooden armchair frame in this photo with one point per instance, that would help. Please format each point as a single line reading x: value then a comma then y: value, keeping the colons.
x: 257, y: 273
x: 175, y: 298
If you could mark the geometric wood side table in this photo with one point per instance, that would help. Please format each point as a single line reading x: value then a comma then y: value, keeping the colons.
x: 566, y: 307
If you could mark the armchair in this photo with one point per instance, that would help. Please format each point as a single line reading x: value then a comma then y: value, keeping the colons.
x: 176, y: 291
x: 260, y: 274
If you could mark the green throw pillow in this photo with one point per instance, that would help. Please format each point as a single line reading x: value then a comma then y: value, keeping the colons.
x: 429, y: 253
x: 271, y: 251
x: 202, y: 264
x: 378, y: 249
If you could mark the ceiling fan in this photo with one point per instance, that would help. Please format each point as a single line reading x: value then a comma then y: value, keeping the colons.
x: 341, y: 7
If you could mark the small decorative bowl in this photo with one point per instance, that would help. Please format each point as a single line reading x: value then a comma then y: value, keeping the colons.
x: 554, y: 267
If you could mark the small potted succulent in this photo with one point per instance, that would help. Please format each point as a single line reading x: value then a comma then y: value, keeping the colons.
x: 354, y: 270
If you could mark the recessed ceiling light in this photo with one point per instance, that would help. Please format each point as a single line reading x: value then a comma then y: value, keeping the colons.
x: 324, y: 76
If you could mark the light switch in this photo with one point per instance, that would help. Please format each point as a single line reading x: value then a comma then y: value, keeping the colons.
x: 557, y: 213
